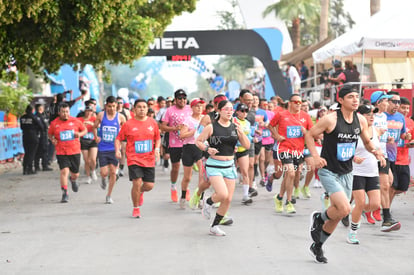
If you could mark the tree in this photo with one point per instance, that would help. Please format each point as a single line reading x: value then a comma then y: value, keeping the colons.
x: 323, y: 23
x: 293, y: 11
x: 48, y: 33
x: 340, y: 20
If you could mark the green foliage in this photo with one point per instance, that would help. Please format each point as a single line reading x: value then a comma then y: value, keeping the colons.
x: 49, y: 33
x: 15, y: 99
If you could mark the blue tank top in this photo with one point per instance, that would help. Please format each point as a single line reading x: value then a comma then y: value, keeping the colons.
x: 108, y: 131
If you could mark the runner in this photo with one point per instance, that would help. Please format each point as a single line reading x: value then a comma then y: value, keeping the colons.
x: 127, y: 115
x: 222, y: 137
x: 289, y: 127
x: 172, y: 123
x: 109, y: 122
x: 366, y: 176
x: 143, y: 150
x: 341, y: 130
x: 191, y: 153
x: 64, y: 132
x: 259, y: 153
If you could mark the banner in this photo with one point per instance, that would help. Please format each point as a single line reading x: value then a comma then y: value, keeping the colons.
x: 11, y: 143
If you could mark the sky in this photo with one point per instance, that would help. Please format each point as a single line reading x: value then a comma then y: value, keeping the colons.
x: 250, y: 14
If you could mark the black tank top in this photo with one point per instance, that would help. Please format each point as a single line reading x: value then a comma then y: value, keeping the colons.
x: 224, y: 139
x: 339, y: 146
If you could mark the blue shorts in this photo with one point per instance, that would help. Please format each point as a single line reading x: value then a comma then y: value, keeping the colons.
x: 107, y: 157
x: 224, y: 168
x: 333, y: 182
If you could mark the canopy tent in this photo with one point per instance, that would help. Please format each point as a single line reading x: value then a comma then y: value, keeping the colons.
x: 384, y: 33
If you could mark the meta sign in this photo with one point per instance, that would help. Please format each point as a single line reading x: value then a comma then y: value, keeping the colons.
x: 264, y: 43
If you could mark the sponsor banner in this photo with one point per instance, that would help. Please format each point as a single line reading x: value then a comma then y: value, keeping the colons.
x: 390, y: 44
x: 11, y: 143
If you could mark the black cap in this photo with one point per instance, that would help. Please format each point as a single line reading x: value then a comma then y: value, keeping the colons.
x: 346, y: 89
x: 179, y: 93
x: 365, y: 109
x: 242, y: 107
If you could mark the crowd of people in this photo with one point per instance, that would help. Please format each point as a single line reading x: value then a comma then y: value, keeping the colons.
x: 351, y: 149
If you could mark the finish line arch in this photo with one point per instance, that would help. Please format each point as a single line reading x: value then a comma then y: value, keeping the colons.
x: 263, y: 43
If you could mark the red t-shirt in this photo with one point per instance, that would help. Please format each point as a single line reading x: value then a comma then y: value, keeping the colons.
x: 141, y: 137
x: 64, y: 133
x: 89, y: 126
x: 290, y: 126
x: 403, y: 157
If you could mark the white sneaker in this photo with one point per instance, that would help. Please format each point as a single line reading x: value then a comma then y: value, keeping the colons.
x: 254, y: 185
x: 121, y: 173
x: 94, y: 176
x: 182, y: 203
x: 216, y: 231
x: 88, y: 180
x: 206, y: 211
x: 109, y: 200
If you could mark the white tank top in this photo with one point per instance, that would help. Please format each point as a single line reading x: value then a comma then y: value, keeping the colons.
x: 369, y: 167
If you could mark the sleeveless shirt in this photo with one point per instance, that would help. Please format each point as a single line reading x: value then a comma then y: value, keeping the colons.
x: 224, y: 139
x: 109, y: 129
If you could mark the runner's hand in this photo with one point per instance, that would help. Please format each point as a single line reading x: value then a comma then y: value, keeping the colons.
x: 118, y: 154
x: 319, y: 162
x: 358, y: 160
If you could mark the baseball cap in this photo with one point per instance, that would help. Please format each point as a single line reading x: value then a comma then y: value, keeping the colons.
x: 195, y: 101
x: 179, y: 93
x: 218, y: 98
x: 334, y: 107
x: 378, y: 95
x: 365, y: 109
x: 127, y: 105
x: 346, y: 89
x: 88, y: 108
x: 169, y: 99
x: 242, y: 107
x: 336, y: 63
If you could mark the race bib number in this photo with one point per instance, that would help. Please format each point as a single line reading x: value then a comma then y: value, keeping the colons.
x: 394, y: 133
x: 294, y: 132
x: 384, y: 137
x: 266, y: 133
x: 143, y: 146
x: 88, y: 136
x: 306, y: 152
x: 109, y: 133
x: 345, y: 151
x: 67, y: 135
x: 252, y: 130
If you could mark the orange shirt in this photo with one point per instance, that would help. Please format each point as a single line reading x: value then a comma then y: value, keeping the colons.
x: 141, y: 137
x: 88, y: 123
x: 64, y: 133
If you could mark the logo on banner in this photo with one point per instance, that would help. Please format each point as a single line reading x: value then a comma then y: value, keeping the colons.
x: 171, y: 43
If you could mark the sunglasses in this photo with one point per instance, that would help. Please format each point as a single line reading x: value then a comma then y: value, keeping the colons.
x: 396, y: 101
x: 228, y: 109
x: 244, y: 110
x: 297, y: 102
x: 120, y: 102
x: 181, y: 97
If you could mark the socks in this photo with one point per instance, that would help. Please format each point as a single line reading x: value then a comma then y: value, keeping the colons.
x: 183, y: 193
x: 173, y: 186
x: 324, y: 216
x: 245, y: 190
x: 354, y: 227
x: 386, y: 213
x: 209, y: 201
x: 217, y: 220
x: 324, y: 236
x: 121, y: 166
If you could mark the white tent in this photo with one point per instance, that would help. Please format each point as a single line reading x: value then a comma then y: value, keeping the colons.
x: 385, y: 32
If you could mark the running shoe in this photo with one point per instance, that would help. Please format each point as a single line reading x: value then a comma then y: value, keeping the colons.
x: 136, y: 213
x: 290, y: 209
x: 226, y: 220
x: 345, y: 221
x: 121, y: 172
x: 88, y: 180
x: 390, y: 225
x: 306, y: 192
x: 368, y: 216
x: 182, y: 203
x: 262, y: 182
x: 75, y: 185
x: 187, y: 195
x: 269, y: 185
x: 246, y: 200
x: 317, y: 184
x: 216, y: 231
x: 94, y: 176
x: 206, y: 211
x: 315, y: 227
x: 65, y: 198
x: 352, y: 238
x: 174, y: 196
x: 278, y: 205
x: 317, y: 254
x: 195, y: 167
x: 195, y: 200
x: 296, y: 193
x: 104, y: 183
x: 377, y: 215
x: 108, y: 200
x: 141, y: 199
x: 252, y: 192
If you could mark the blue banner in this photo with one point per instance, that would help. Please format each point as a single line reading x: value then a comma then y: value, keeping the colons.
x: 11, y: 143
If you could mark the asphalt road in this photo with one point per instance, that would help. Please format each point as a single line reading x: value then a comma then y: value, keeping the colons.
x: 40, y: 235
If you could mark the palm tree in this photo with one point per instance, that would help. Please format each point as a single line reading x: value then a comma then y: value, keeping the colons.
x: 323, y: 23
x: 294, y: 11
x: 375, y: 6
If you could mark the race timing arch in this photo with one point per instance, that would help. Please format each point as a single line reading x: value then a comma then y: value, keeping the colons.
x: 263, y: 43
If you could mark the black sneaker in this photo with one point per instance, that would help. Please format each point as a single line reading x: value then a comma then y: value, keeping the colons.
x: 390, y: 225
x: 65, y: 198
x: 345, y: 221
x: 317, y: 253
x: 252, y: 192
x: 293, y: 200
x: 47, y: 168
x: 75, y: 186
x: 315, y: 227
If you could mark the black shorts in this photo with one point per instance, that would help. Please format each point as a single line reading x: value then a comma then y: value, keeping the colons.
x: 165, y: 139
x: 87, y: 144
x: 69, y: 161
x: 401, y: 175
x: 286, y: 158
x: 257, y: 147
x: 147, y: 174
x: 268, y: 147
x: 365, y: 183
x: 241, y: 154
x: 191, y: 154
x: 107, y: 157
x: 176, y: 154
x: 386, y: 169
